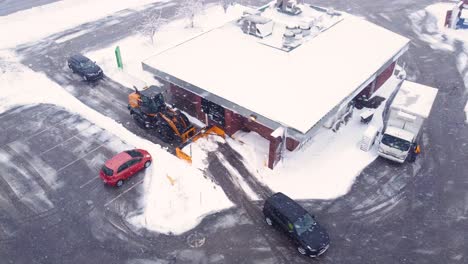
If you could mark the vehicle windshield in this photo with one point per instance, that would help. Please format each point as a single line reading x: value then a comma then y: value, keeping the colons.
x: 152, y: 104
x: 87, y: 64
x: 134, y: 153
x: 395, y: 142
x: 305, y: 223
x: 107, y: 171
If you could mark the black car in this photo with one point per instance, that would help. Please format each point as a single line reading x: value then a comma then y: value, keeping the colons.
x: 310, y: 238
x: 85, y: 67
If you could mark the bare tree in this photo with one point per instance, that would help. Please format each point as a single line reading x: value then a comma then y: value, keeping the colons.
x: 151, y: 24
x: 226, y: 4
x: 189, y: 9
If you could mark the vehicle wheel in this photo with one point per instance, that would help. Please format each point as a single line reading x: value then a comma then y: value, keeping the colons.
x: 268, y: 221
x: 119, y: 183
x: 301, y: 250
x: 166, y: 134
x: 139, y: 121
x: 147, y: 164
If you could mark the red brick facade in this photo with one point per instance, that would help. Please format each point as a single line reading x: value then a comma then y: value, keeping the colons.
x: 191, y: 103
x: 384, y: 76
x: 234, y: 122
x: 378, y: 81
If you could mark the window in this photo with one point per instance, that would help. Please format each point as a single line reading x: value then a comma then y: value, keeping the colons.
x: 132, y: 162
x: 107, y: 171
x: 214, y: 111
x: 134, y: 153
x: 395, y: 142
x: 123, y: 167
x: 304, y: 223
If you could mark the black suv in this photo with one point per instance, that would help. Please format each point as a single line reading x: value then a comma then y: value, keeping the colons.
x: 310, y: 238
x: 85, y: 67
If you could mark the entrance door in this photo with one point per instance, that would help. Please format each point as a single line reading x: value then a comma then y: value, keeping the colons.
x: 214, y: 112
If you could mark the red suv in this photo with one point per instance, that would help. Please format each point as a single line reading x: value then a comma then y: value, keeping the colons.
x: 124, y: 165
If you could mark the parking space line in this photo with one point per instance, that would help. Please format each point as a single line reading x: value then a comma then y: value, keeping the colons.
x: 28, y: 107
x: 72, y: 137
x: 118, y: 196
x: 42, y: 131
x: 88, y: 182
x: 61, y: 143
x: 50, y: 127
x: 71, y: 163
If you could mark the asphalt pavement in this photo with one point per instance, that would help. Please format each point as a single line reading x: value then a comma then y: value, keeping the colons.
x: 11, y: 6
x: 410, y: 213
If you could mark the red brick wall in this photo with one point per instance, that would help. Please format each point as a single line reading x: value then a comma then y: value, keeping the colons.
x: 291, y: 144
x: 366, y: 91
x: 448, y: 17
x: 259, y: 128
x: 185, y: 100
x: 191, y: 103
x: 234, y: 122
x: 384, y: 76
x: 272, y: 154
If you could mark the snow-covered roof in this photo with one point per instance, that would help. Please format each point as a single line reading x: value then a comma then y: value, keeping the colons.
x: 295, y: 88
x: 414, y: 98
x: 400, y: 133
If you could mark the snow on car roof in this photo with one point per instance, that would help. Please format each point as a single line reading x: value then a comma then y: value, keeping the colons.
x: 117, y: 160
x: 295, y: 88
x: 400, y: 133
x: 415, y: 98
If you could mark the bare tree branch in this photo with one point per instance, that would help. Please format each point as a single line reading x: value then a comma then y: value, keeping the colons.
x: 189, y: 9
x: 151, y: 25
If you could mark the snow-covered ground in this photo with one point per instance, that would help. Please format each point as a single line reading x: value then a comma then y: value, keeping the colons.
x: 39, y: 22
x: 325, y: 168
x: 176, y: 194
x: 428, y: 24
x: 305, y: 174
x: 137, y: 48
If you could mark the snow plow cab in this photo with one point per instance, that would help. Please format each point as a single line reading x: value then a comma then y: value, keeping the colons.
x: 150, y: 111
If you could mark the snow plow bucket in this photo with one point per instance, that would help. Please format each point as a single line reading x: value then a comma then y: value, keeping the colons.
x: 204, y: 132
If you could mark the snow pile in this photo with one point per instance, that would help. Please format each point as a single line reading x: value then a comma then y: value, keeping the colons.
x: 137, y: 48
x: 428, y: 24
x: 39, y: 22
x: 199, y: 150
x: 177, y: 195
x: 466, y: 112
x: 325, y: 168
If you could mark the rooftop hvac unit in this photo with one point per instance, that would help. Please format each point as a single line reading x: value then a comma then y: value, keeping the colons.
x: 257, y: 25
x: 331, y: 11
x: 305, y: 29
x: 289, y: 38
x: 297, y: 32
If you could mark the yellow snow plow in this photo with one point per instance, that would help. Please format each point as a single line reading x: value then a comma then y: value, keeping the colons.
x: 204, y: 132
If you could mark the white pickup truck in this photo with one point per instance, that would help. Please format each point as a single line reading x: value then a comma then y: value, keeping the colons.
x: 402, y: 129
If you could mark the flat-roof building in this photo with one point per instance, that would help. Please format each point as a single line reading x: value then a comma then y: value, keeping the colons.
x: 300, y: 76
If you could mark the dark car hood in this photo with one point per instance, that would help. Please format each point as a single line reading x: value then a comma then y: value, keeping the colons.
x: 92, y: 70
x: 316, y: 239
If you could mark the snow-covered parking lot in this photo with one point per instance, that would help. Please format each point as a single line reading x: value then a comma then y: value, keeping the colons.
x: 56, y: 131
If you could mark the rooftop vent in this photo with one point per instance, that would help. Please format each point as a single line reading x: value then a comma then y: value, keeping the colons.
x: 305, y: 29
x: 257, y: 25
x: 289, y: 39
x: 289, y: 7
